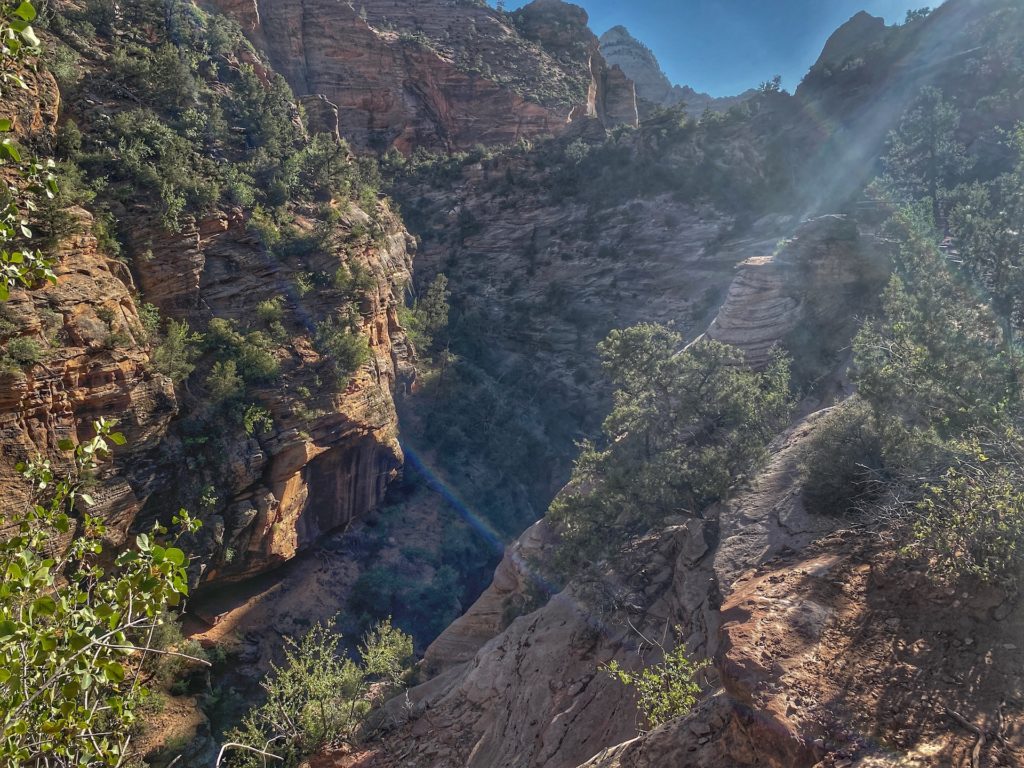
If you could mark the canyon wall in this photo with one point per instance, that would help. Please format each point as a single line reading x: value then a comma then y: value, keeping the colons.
x: 329, y: 456
x: 440, y: 75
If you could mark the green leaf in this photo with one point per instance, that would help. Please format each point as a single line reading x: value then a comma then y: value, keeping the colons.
x: 45, y: 605
x: 7, y: 629
x: 175, y: 555
x: 118, y: 439
x: 25, y: 11
x: 66, y: 445
x: 6, y: 125
x: 11, y: 149
x: 113, y: 671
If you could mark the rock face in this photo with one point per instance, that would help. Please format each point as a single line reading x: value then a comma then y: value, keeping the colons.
x: 437, y: 74
x: 653, y: 88
x: 327, y: 461
x: 92, y: 355
x: 94, y: 363
x: 547, y: 662
x: 819, y: 274
x: 330, y: 454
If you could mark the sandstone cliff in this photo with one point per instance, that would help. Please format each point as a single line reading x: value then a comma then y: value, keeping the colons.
x: 440, y: 75
x: 324, y: 455
x: 328, y: 459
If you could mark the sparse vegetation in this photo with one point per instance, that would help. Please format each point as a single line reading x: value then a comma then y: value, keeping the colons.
x: 664, y: 690
x: 318, y: 697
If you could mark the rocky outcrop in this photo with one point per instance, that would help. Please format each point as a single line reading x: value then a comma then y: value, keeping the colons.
x: 90, y: 353
x: 853, y: 38
x: 331, y: 454
x: 653, y: 88
x: 547, y: 662
x: 815, y: 277
x: 438, y: 75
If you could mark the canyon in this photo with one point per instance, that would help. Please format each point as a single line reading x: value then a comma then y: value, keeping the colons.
x: 555, y: 180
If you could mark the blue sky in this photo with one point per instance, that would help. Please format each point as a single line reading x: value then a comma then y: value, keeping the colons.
x: 726, y: 46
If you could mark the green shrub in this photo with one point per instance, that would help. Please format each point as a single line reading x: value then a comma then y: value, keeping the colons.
x: 842, y: 460
x: 223, y: 381
x: 270, y: 311
x: 175, y: 355
x: 343, y: 346
x: 54, y: 615
x: 666, y: 690
x: 318, y: 698
x: 971, y: 522
x: 685, y: 427
x: 354, y: 280
x: 21, y: 352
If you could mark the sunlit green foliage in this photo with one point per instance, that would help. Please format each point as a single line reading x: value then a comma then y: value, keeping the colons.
x: 175, y: 352
x: 319, y: 697
x: 20, y: 264
x: 426, y: 320
x: 971, y: 521
x: 74, y: 630
x: 345, y: 349
x: 935, y: 359
x: 686, y: 425
x: 665, y: 690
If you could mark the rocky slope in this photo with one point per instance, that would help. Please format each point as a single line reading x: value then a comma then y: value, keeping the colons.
x: 330, y: 453
x: 547, y: 662
x: 653, y: 88
x: 328, y: 460
x: 504, y: 655
x: 441, y: 75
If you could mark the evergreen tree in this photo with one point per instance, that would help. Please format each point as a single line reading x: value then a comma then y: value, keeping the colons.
x: 924, y: 157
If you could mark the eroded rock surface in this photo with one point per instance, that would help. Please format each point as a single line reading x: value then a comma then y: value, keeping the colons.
x: 437, y: 74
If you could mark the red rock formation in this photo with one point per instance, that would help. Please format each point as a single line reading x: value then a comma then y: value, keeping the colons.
x: 313, y: 473
x: 329, y: 458
x: 436, y: 74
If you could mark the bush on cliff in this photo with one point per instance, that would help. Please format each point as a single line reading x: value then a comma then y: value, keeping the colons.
x: 686, y: 425
x: 320, y: 698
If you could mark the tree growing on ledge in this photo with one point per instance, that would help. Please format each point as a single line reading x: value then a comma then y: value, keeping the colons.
x: 685, y: 426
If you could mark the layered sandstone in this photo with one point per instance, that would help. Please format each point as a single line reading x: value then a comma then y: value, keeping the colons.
x: 95, y: 363
x: 331, y: 452
x: 814, y: 277
x: 328, y: 460
x: 439, y: 75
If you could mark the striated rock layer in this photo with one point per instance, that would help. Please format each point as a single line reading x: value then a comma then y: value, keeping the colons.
x: 327, y: 461
x: 440, y: 75
x: 813, y: 278
x: 328, y: 456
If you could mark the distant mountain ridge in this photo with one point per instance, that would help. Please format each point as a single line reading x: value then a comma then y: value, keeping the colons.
x: 653, y: 88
